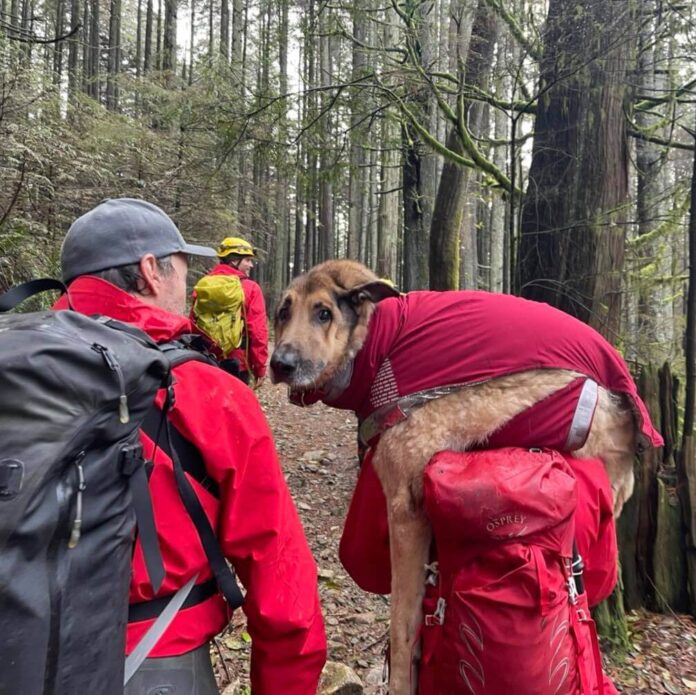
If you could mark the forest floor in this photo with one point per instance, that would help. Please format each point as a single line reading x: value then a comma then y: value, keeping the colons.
x: 317, y: 446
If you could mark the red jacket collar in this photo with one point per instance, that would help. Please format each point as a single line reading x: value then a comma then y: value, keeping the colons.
x: 222, y: 269
x: 92, y: 295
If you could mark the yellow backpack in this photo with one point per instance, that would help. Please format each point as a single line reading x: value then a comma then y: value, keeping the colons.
x: 218, y: 310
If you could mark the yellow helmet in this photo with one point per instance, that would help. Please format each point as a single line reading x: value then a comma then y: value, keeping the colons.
x: 237, y: 246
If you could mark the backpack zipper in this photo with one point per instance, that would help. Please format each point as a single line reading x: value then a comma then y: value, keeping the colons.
x: 76, y: 529
x: 112, y: 363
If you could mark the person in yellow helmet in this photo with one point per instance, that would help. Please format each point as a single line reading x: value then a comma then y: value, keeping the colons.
x: 236, y: 258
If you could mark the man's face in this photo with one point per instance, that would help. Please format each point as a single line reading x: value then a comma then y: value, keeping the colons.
x: 245, y: 265
x: 172, y: 291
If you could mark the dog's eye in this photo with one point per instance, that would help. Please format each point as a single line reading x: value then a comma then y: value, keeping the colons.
x: 283, y: 314
x: 324, y: 315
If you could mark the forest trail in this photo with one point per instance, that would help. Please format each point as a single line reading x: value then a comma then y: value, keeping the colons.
x: 317, y: 446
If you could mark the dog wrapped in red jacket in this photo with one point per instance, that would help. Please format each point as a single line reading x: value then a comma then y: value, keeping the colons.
x: 434, y: 371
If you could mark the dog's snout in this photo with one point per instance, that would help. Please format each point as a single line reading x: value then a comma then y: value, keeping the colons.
x: 284, y: 362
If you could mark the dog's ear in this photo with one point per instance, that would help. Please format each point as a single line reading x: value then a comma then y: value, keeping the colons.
x: 363, y: 299
x: 374, y: 291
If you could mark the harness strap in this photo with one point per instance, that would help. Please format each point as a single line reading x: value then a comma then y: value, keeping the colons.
x: 156, y: 630
x: 393, y: 413
x: 133, y: 467
x: 583, y: 416
x: 191, y: 459
x: 224, y: 575
x: 149, y: 610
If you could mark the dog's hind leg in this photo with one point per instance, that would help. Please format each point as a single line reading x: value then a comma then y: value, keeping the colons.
x: 455, y: 422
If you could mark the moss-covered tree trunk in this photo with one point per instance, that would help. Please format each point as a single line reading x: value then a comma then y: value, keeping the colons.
x: 573, y: 217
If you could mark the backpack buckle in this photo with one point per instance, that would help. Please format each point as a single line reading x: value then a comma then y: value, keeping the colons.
x: 131, y: 458
x: 438, y: 617
x: 11, y: 476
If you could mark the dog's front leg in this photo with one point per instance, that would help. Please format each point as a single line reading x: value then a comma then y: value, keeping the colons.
x: 409, y: 539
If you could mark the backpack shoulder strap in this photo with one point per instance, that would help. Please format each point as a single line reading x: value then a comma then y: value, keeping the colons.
x: 16, y: 295
x: 187, y: 348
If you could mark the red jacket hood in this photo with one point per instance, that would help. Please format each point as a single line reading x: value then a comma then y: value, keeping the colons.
x: 92, y: 295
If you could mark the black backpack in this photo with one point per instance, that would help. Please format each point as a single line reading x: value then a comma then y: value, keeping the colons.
x: 74, y: 390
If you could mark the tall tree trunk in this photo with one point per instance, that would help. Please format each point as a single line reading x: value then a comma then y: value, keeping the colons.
x: 139, y: 42
x: 654, y: 312
x: 420, y: 164
x: 192, y: 39
x: 389, y: 180
x: 281, y: 241
x: 158, y: 47
x: 326, y: 212
x: 86, y: 49
x: 356, y: 171
x: 237, y: 44
x: 475, y: 45
x: 499, y: 270
x: 149, y: 24
x: 572, y: 246
x: 225, y: 29
x: 73, y: 50
x: 211, y: 28
x: 94, y: 49
x: 169, y: 55
x: 58, y: 46
x: 114, y: 63
x: 415, y: 233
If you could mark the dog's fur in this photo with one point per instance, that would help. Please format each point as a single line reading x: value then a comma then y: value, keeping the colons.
x: 319, y: 345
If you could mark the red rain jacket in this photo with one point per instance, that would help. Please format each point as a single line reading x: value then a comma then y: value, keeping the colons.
x: 255, y: 519
x: 255, y: 324
x: 422, y: 340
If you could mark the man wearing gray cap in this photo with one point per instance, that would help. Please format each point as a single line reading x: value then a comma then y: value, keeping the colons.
x: 126, y: 259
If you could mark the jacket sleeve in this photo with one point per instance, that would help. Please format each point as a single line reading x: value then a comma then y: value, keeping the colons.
x: 261, y: 535
x: 257, y: 328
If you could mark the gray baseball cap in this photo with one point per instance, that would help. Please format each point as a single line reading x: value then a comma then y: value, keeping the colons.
x: 120, y: 231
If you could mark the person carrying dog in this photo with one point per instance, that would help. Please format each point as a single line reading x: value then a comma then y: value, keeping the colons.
x: 126, y: 259
x: 229, y: 308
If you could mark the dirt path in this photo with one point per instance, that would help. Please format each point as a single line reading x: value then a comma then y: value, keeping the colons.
x: 317, y: 447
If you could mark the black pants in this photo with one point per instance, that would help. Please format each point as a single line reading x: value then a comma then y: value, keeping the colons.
x: 188, y: 674
x: 232, y: 366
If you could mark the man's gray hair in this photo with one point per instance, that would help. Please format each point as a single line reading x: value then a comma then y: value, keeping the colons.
x: 129, y: 278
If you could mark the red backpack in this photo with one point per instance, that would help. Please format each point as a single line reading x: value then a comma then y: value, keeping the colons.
x: 501, y: 615
x: 475, y: 562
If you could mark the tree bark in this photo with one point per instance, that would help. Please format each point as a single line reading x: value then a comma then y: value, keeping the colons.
x: 147, y: 53
x: 73, y: 51
x: 225, y: 29
x: 114, y: 60
x: 572, y: 247
x: 358, y: 106
x: 169, y: 47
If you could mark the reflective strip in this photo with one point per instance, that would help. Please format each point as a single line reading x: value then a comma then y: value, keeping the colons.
x: 156, y: 630
x: 584, y: 413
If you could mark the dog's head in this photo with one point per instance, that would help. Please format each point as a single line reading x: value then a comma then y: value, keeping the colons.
x: 321, y: 322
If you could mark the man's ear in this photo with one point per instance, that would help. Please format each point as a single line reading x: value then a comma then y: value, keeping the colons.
x: 150, y: 274
x: 374, y: 291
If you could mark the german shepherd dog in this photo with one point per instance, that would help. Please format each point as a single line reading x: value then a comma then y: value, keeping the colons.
x: 321, y: 323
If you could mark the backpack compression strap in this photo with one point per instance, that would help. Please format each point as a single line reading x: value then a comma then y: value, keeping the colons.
x: 16, y: 295
x: 226, y: 580
x: 224, y: 575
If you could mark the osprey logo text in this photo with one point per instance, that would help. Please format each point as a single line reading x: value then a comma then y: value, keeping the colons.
x: 511, y: 519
